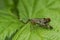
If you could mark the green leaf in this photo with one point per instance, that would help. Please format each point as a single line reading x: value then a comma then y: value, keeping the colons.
x: 7, y: 22
x: 11, y: 28
x: 40, y: 9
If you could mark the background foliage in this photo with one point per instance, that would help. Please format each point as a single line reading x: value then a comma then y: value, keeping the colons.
x: 11, y: 11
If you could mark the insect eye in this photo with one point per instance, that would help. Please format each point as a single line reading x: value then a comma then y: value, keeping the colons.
x: 48, y: 19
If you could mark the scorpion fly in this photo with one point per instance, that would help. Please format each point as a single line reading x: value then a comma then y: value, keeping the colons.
x: 43, y: 22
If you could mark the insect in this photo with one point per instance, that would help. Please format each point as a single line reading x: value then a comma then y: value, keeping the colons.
x: 43, y: 22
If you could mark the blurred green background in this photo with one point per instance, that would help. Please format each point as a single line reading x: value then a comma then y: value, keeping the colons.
x: 11, y: 11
